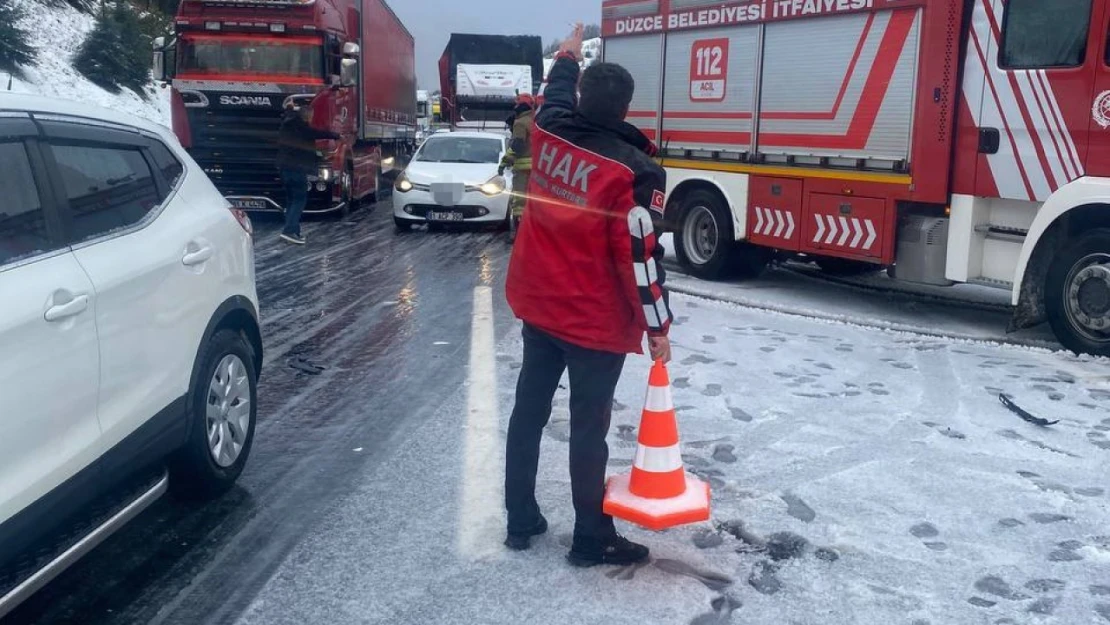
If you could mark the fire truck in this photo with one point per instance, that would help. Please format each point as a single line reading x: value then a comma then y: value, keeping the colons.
x: 234, y: 64
x: 948, y: 141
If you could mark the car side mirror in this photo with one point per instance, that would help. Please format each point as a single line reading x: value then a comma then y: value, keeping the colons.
x: 348, y: 72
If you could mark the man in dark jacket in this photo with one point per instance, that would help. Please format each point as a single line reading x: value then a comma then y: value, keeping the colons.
x: 297, y: 160
x: 586, y: 280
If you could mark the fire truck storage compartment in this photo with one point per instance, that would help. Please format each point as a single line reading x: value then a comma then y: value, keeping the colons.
x: 641, y: 56
x: 709, y: 92
x: 827, y: 91
x: 844, y: 225
x: 775, y: 212
x: 839, y: 87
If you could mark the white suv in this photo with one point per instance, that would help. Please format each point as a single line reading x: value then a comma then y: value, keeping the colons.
x: 129, y: 335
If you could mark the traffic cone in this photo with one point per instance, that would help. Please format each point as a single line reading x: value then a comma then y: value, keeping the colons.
x: 658, y: 493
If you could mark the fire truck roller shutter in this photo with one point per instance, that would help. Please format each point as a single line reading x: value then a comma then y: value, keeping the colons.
x: 840, y: 86
x: 710, y: 89
x: 641, y: 56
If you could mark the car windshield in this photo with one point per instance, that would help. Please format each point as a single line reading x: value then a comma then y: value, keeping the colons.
x: 460, y: 150
x: 293, y: 57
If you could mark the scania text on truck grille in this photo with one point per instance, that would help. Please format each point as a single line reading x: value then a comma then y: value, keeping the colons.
x: 948, y: 141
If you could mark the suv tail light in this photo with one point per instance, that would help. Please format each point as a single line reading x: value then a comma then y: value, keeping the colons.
x: 243, y: 218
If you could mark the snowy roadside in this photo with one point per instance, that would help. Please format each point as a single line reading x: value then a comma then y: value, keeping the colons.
x: 964, y: 312
x: 57, y: 32
x: 859, y: 477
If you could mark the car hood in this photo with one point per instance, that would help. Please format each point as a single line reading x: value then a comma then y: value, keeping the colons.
x: 469, y: 173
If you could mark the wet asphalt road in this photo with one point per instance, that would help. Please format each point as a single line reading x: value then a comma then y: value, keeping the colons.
x: 351, y: 324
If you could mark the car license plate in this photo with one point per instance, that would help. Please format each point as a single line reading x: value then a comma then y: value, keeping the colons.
x: 445, y: 216
x: 246, y: 204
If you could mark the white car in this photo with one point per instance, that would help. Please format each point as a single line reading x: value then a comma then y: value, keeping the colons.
x: 129, y: 335
x: 453, y: 179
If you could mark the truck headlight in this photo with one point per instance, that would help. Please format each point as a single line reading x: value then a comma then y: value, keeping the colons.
x: 493, y: 186
x: 324, y: 175
x: 403, y: 185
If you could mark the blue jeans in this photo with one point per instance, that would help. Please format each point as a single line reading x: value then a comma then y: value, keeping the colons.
x: 296, y: 197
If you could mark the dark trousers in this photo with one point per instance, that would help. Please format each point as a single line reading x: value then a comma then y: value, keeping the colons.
x: 296, y: 197
x: 593, y: 380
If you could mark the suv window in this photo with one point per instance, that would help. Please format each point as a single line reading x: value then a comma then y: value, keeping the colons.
x: 23, y: 231
x: 1040, y: 33
x: 171, y: 168
x: 109, y: 187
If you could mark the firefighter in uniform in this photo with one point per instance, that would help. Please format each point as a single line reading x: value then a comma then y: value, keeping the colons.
x: 519, y: 158
x: 585, y: 277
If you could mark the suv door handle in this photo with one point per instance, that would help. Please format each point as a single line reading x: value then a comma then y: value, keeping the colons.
x: 75, y: 306
x: 196, y: 254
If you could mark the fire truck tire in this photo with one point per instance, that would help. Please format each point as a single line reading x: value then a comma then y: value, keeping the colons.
x: 845, y: 267
x: 1077, y: 294
x: 348, y: 196
x: 705, y: 244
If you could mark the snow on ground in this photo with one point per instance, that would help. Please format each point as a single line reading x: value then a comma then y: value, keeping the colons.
x: 860, y: 476
x: 57, y: 32
x: 964, y: 311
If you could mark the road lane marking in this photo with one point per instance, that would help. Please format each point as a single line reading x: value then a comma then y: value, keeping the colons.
x: 480, y: 520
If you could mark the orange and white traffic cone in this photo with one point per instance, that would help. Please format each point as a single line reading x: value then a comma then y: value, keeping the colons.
x: 658, y: 493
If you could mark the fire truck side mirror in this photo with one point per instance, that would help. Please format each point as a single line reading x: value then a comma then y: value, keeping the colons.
x: 348, y: 73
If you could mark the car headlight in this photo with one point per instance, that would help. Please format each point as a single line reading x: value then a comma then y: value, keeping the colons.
x: 493, y: 186
x: 403, y: 185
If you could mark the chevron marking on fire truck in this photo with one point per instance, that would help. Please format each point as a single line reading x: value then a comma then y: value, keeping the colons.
x: 829, y: 226
x: 773, y: 222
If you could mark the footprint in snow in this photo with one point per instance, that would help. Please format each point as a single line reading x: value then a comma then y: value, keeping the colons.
x: 945, y: 431
x: 708, y: 340
x: 723, y: 453
x: 998, y: 587
x: 798, y: 508
x: 698, y: 359
x: 924, y: 531
x: 681, y: 383
x: 722, y: 607
x: 626, y: 433
x: 712, y: 390
x: 740, y: 415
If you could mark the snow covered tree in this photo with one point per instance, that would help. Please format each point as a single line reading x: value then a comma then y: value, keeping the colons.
x: 116, y: 53
x: 135, y: 46
x: 101, y: 56
x: 591, y: 31
x: 15, y: 45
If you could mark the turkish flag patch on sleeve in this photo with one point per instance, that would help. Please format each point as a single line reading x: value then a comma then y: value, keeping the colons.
x: 657, y: 200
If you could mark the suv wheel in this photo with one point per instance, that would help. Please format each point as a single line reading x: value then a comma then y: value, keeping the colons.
x: 222, y: 410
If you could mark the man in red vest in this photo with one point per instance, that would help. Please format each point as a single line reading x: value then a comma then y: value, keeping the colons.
x: 586, y: 280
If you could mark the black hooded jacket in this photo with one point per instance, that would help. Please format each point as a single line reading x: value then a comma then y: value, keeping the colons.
x: 297, y: 143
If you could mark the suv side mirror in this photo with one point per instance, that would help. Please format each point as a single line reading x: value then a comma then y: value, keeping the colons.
x: 348, y: 72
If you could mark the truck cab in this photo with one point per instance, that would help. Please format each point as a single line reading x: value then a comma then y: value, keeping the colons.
x: 232, y: 67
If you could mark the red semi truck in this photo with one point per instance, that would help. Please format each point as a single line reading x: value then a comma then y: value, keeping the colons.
x: 232, y: 65
x: 950, y: 141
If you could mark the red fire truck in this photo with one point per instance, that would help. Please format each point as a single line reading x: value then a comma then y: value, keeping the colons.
x: 233, y: 64
x: 950, y: 141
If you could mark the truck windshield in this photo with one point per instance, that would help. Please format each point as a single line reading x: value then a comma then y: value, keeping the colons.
x: 222, y: 55
x: 460, y: 150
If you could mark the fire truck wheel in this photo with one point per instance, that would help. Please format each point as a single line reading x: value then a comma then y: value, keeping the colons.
x: 705, y: 244
x: 1077, y: 294
x: 845, y: 267
x: 347, y: 182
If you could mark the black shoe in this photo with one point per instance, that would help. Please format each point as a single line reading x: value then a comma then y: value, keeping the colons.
x: 615, y: 550
x: 523, y: 540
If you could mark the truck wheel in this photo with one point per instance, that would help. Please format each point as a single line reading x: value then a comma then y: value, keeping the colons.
x: 705, y: 244
x: 222, y: 411
x: 845, y: 267
x: 1077, y: 294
